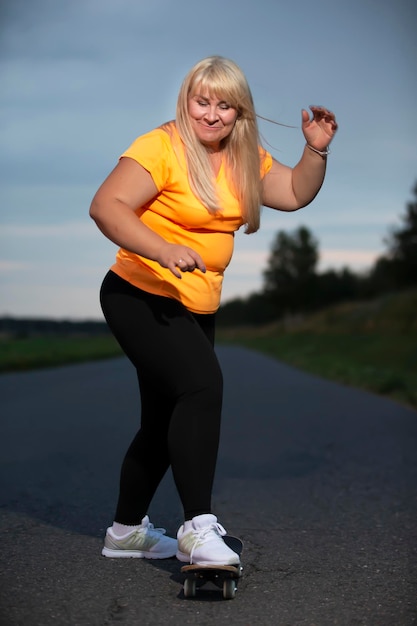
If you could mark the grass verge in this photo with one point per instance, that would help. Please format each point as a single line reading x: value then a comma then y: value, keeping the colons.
x: 383, y: 364
x: 35, y: 352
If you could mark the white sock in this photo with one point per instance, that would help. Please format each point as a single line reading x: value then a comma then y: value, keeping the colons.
x: 120, y: 530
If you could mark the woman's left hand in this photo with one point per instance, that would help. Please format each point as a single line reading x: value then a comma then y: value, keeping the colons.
x: 320, y: 129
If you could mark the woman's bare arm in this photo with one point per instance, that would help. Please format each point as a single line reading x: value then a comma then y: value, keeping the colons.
x: 128, y: 187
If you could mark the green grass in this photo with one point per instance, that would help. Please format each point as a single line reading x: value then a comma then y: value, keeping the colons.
x: 386, y: 365
x: 36, y: 352
x: 372, y: 345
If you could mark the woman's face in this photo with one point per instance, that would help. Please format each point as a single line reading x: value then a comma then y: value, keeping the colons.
x: 211, y: 119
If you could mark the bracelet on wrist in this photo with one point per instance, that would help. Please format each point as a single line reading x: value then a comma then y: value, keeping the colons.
x: 322, y: 153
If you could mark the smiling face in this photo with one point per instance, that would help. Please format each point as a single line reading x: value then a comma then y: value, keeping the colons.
x: 211, y: 118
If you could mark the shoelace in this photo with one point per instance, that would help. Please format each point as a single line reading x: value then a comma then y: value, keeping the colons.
x: 161, y: 531
x: 203, y: 533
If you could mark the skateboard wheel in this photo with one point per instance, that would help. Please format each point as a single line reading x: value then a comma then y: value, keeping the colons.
x: 189, y: 588
x: 229, y: 589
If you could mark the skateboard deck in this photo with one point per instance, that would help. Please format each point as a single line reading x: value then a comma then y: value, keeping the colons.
x: 225, y: 577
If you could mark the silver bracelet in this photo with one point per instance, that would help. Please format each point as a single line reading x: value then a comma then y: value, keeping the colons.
x: 322, y: 153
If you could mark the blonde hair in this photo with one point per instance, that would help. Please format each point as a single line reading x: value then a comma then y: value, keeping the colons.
x: 223, y: 79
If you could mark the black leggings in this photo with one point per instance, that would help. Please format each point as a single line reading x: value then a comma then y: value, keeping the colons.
x: 181, y: 389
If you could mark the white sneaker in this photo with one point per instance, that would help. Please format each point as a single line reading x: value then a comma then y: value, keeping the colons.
x: 145, y: 542
x: 200, y: 542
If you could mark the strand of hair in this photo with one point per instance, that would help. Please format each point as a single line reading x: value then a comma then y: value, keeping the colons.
x: 266, y: 119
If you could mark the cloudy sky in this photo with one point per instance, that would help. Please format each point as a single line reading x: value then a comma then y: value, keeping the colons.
x: 81, y: 79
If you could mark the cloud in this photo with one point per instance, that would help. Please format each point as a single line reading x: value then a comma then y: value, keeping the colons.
x: 39, y: 203
x: 248, y: 262
x: 59, y: 302
x: 39, y: 30
x: 69, y: 253
x: 78, y: 230
x: 356, y: 260
x: 14, y: 266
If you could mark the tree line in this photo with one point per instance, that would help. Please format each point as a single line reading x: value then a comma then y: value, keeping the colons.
x: 19, y: 328
x: 292, y: 285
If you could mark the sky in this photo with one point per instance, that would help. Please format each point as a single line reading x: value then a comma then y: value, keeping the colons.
x: 80, y: 80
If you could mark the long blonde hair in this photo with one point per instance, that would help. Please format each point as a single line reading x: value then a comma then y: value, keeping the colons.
x: 223, y: 79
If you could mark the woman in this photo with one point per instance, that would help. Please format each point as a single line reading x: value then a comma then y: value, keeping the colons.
x: 172, y: 204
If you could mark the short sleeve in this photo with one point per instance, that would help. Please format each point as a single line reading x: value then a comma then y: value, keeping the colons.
x: 153, y: 151
x: 266, y: 161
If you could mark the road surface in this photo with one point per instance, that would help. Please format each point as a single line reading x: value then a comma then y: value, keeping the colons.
x: 318, y: 479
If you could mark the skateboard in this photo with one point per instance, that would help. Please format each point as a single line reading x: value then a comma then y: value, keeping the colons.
x: 225, y: 577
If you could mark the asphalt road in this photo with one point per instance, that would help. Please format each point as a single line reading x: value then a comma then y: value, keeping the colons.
x: 318, y: 479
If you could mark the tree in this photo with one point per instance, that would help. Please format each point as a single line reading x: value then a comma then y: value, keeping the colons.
x: 382, y: 278
x: 402, y: 244
x: 397, y: 268
x: 290, y: 276
x: 254, y: 310
x: 335, y: 286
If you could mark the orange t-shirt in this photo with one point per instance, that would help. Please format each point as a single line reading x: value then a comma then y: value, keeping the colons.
x: 178, y: 216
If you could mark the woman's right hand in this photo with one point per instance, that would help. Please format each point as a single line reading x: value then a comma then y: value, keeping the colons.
x: 179, y: 259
